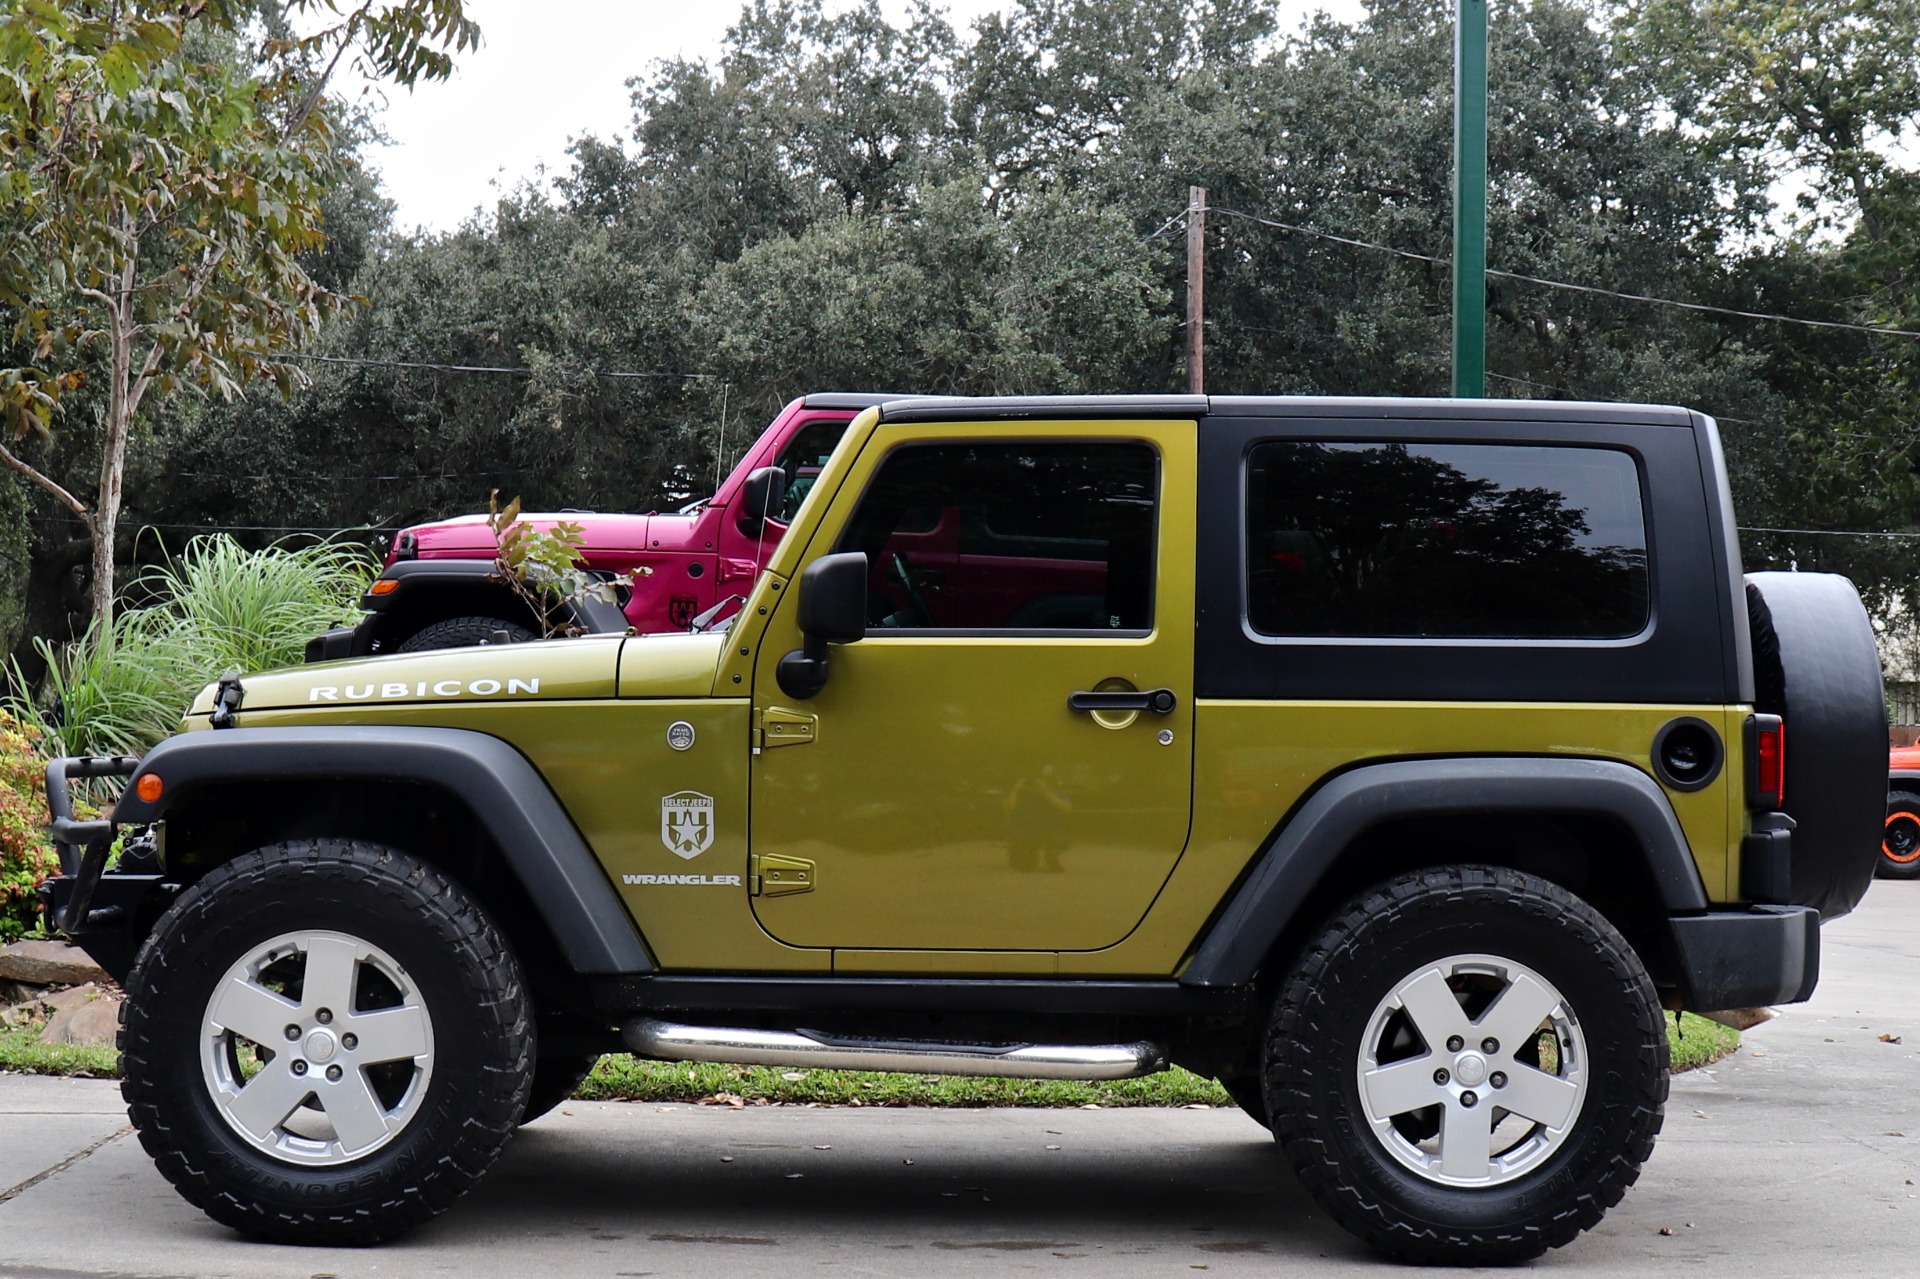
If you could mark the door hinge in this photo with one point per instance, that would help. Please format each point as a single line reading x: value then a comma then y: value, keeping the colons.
x: 777, y: 875
x: 776, y: 726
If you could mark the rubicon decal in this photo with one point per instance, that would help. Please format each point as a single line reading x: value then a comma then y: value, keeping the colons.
x: 396, y: 690
x: 686, y: 823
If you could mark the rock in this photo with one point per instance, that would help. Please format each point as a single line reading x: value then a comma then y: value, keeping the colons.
x: 39, y: 1007
x: 48, y: 963
x: 1740, y: 1018
x: 92, y: 1021
x: 13, y: 992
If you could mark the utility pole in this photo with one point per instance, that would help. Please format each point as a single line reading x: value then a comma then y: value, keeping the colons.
x: 1196, y: 289
x: 1470, y: 197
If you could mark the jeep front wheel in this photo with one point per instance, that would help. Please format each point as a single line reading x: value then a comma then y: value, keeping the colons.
x: 465, y: 632
x: 1467, y: 1065
x: 325, y: 1042
x: 1900, y: 845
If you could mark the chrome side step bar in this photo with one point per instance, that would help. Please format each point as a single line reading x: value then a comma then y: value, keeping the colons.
x: 671, y: 1041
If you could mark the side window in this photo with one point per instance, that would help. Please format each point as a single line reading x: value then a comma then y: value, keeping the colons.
x: 802, y: 459
x: 1454, y: 541
x: 1041, y: 536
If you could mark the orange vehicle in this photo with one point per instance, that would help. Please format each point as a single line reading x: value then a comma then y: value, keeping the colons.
x: 1900, y: 846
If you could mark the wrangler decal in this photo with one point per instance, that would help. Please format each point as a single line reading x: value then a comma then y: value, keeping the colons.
x: 724, y: 881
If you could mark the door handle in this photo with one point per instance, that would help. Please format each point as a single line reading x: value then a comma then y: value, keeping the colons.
x: 1160, y: 701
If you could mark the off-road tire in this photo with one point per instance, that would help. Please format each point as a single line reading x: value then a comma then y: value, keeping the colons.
x: 1900, y: 845
x: 554, y: 1080
x: 468, y: 981
x: 464, y: 632
x: 1320, y: 1019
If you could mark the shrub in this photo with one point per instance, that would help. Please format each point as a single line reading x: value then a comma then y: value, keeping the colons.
x: 214, y: 607
x: 25, y: 856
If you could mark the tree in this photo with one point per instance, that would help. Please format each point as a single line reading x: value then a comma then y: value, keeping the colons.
x: 168, y: 179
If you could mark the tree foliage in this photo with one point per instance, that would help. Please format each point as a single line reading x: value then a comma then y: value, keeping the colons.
x: 843, y: 200
x: 164, y: 181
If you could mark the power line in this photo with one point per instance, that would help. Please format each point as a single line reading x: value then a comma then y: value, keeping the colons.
x: 510, y: 370
x: 1570, y: 287
x: 1825, y: 532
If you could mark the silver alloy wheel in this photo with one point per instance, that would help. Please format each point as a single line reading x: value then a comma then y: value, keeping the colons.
x: 316, y: 1048
x: 1472, y: 1071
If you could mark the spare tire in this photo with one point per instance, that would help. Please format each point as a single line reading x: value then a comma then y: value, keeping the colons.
x: 1816, y: 666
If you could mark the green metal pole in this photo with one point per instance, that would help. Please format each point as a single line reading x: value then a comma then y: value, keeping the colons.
x: 1470, y: 197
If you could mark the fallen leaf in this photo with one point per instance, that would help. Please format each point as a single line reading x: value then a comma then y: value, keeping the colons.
x: 1889, y: 1039
x: 823, y: 1147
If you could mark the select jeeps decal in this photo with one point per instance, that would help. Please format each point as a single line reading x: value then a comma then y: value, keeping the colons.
x: 397, y: 689
x: 686, y: 823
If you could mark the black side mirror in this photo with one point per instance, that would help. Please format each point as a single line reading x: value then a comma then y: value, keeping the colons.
x: 833, y: 610
x: 761, y: 498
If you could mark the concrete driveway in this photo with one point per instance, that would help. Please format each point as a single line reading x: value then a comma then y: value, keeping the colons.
x: 1797, y: 1157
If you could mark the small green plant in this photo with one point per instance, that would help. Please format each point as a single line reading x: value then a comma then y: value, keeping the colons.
x: 542, y: 566
x: 25, y: 856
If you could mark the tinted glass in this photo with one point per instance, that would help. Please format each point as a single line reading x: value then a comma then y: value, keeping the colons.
x: 1482, y: 541
x: 1019, y: 537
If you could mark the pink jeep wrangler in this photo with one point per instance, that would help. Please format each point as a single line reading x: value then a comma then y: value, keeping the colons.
x: 439, y: 589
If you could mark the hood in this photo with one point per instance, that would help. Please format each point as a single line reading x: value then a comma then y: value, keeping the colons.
x: 471, y: 536
x: 570, y: 669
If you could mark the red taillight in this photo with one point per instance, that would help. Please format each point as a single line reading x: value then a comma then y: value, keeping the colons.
x: 1770, y: 762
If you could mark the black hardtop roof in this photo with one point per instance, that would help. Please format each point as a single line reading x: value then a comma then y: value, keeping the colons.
x: 1019, y: 407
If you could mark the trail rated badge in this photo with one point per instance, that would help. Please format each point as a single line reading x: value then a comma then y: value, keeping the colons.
x: 686, y: 823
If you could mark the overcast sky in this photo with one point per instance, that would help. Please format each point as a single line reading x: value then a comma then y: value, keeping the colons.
x: 551, y: 70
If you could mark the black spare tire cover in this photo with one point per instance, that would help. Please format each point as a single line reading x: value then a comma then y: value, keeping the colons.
x: 1816, y: 666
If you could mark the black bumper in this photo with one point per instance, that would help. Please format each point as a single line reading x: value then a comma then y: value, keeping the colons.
x: 1748, y: 959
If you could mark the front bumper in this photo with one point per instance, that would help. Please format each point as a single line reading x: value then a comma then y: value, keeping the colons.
x: 1748, y: 958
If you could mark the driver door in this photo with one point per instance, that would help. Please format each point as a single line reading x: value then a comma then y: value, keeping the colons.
x: 945, y: 795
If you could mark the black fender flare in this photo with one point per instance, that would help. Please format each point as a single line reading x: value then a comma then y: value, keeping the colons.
x: 1306, y: 847
x: 559, y: 873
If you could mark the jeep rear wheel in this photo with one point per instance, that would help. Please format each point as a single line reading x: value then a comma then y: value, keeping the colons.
x: 1467, y: 1066
x: 1900, y: 845
x: 325, y: 1042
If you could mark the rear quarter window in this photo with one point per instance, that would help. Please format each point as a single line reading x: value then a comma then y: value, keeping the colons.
x: 1407, y: 540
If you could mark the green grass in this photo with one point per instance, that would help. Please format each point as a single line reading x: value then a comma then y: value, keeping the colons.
x: 1698, y: 1042
x: 622, y: 1078
x: 22, y: 1054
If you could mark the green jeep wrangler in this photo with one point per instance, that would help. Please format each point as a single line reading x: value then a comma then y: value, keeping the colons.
x: 1394, y: 762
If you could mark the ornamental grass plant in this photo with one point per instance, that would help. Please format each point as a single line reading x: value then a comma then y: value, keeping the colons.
x: 217, y: 606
